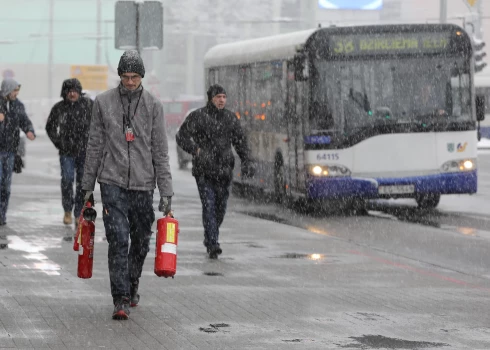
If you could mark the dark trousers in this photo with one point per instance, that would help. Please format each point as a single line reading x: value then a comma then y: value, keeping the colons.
x: 69, y: 167
x: 6, y: 170
x: 214, y: 196
x: 127, y: 214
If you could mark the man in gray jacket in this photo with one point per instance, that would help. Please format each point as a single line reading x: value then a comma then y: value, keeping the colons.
x: 126, y: 152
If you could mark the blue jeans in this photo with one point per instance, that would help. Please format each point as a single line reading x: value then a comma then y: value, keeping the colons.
x: 214, y: 196
x: 6, y: 170
x: 127, y: 214
x: 70, y: 166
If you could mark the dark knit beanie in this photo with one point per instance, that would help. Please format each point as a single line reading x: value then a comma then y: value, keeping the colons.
x: 131, y: 62
x: 214, y: 90
x: 70, y: 84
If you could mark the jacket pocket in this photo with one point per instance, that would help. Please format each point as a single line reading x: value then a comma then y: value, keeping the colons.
x: 101, y: 168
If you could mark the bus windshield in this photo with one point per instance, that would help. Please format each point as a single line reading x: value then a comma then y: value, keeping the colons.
x: 356, y: 94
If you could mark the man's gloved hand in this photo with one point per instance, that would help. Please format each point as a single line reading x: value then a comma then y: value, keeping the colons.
x: 248, y: 170
x: 88, y: 197
x: 165, y: 205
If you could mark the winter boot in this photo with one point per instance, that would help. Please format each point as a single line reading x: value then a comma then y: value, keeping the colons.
x: 121, y: 309
x: 67, y: 219
x: 135, y: 297
x: 214, y: 250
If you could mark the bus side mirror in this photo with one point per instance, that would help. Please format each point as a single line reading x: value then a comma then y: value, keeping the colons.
x: 301, y: 71
x: 480, y: 107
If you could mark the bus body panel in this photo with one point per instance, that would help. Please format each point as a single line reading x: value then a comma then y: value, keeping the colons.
x: 368, y: 188
x: 411, y: 165
x: 264, y: 148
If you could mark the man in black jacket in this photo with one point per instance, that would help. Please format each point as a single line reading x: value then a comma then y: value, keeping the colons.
x: 68, y: 128
x: 12, y: 118
x: 208, y: 134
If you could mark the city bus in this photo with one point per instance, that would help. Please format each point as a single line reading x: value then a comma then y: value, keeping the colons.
x: 355, y: 113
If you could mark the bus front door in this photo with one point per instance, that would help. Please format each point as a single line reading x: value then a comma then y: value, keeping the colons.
x: 294, y: 112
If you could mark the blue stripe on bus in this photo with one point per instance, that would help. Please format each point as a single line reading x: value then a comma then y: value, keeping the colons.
x: 485, y: 132
x: 321, y: 140
x: 449, y: 183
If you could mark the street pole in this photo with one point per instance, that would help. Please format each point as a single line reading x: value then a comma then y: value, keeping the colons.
x: 50, y: 50
x: 190, y: 74
x: 276, y: 12
x: 443, y: 11
x: 98, y: 41
x: 138, y: 29
x: 479, y: 31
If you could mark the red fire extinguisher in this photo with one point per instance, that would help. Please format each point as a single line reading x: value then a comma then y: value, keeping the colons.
x: 84, y: 240
x: 166, y: 247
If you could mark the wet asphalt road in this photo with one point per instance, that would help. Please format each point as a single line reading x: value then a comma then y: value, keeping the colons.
x: 392, y: 278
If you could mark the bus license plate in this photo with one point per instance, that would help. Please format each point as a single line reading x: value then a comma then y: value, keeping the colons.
x: 396, y: 189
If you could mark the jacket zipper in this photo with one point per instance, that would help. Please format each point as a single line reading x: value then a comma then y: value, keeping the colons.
x: 129, y: 151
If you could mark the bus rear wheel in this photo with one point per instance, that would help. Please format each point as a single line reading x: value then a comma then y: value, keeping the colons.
x: 428, y: 201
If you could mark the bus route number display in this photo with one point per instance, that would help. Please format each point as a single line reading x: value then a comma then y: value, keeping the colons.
x: 388, y: 43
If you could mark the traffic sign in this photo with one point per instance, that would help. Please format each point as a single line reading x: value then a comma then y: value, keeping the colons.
x: 139, y: 25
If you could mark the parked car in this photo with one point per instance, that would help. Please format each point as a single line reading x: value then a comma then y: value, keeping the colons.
x: 176, y: 110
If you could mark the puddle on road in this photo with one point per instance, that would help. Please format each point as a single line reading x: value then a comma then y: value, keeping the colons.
x: 411, y: 215
x: 214, y: 327
x: 301, y: 256
x: 40, y: 261
x: 382, y: 342
x: 213, y: 274
x: 467, y: 231
x: 3, y: 242
x: 293, y: 341
x: 267, y: 216
x: 255, y: 245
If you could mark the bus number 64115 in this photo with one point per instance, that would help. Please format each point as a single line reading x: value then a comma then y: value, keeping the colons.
x: 327, y: 156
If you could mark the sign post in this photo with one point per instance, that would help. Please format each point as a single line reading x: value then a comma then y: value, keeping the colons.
x: 139, y: 25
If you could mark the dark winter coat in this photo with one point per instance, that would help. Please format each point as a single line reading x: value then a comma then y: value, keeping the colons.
x: 213, y: 131
x: 15, y: 119
x: 68, y: 126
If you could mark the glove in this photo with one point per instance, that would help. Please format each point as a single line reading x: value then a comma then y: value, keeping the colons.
x: 165, y: 205
x: 248, y: 170
x: 88, y: 197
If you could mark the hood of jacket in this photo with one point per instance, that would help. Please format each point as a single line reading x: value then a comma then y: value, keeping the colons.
x: 8, y: 85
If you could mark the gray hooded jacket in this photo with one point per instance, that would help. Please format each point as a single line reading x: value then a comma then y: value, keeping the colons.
x: 134, y: 165
x: 8, y: 85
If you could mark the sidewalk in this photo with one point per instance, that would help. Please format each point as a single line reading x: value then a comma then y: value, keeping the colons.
x: 274, y: 287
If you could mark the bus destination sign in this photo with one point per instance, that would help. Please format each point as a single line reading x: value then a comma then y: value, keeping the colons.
x: 409, y: 43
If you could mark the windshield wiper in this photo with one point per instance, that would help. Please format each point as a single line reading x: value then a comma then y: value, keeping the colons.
x: 360, y: 99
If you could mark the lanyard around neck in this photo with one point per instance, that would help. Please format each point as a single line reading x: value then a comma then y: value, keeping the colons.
x: 127, y: 118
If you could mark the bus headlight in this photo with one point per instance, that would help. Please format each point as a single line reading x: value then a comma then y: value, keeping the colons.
x: 454, y: 166
x: 317, y: 170
x: 468, y: 165
x: 330, y: 171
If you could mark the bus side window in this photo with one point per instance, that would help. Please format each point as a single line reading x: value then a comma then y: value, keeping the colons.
x: 212, y: 77
x: 449, y: 98
x: 321, y: 115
